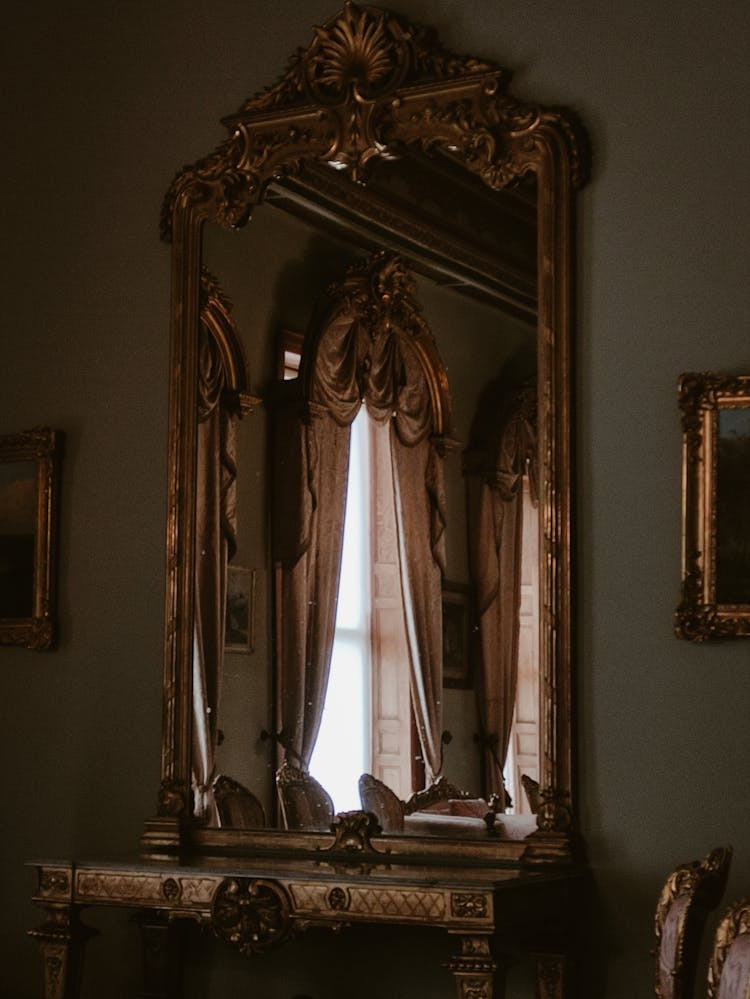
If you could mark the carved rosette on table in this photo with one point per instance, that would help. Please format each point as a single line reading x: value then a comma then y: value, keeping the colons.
x: 251, y: 915
x: 470, y: 906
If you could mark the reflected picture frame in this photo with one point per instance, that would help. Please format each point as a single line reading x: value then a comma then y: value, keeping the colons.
x: 715, y: 599
x: 29, y: 501
x: 239, y: 633
x: 457, y: 671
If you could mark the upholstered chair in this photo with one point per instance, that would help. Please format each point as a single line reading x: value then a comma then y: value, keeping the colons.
x: 690, y: 892
x: 729, y: 970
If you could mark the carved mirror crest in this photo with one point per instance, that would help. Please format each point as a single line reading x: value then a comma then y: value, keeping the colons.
x: 406, y: 216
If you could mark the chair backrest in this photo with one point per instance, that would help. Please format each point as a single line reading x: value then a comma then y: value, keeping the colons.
x: 441, y: 790
x: 378, y: 798
x: 688, y: 895
x: 305, y: 804
x: 531, y: 790
x: 237, y: 806
x: 729, y: 970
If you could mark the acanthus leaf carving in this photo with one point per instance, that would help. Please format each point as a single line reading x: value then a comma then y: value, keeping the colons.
x: 173, y: 798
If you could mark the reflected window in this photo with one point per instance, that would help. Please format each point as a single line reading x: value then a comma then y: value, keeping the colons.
x: 341, y: 751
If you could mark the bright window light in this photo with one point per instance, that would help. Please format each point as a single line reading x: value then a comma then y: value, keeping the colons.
x: 342, y: 751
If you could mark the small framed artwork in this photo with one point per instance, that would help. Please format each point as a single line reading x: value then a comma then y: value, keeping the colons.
x: 239, y: 631
x: 716, y: 507
x: 29, y: 488
x: 456, y: 651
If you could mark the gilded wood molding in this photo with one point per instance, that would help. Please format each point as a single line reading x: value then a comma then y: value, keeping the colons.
x: 702, y: 613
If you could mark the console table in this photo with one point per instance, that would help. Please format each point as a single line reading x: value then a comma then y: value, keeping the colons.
x: 254, y: 904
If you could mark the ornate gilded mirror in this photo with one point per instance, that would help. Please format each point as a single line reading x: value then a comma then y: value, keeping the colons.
x: 372, y: 276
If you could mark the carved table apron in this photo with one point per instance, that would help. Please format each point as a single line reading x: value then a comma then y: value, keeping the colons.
x: 255, y: 904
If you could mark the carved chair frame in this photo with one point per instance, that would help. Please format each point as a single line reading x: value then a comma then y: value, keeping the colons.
x: 734, y: 923
x: 701, y: 884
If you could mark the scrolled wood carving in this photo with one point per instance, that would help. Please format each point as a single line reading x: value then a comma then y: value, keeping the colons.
x: 173, y: 798
x: 470, y: 906
x: 370, y: 82
x: 353, y: 832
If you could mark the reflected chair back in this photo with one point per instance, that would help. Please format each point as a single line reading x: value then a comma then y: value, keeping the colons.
x: 378, y: 798
x: 304, y: 803
x: 237, y: 806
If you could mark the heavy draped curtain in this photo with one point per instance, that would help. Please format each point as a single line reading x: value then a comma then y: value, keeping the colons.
x: 495, y: 464
x: 215, y: 543
x: 355, y: 360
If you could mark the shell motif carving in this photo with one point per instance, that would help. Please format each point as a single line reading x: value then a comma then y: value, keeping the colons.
x: 361, y: 54
x: 362, y: 77
x: 251, y: 915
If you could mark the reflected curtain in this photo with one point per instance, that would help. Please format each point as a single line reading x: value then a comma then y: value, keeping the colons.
x: 495, y: 465
x: 215, y: 544
x: 420, y: 524
x: 354, y: 360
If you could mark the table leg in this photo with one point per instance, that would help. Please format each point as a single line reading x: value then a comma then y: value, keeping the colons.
x: 552, y: 976
x: 161, y: 950
x: 475, y: 970
x: 62, y: 939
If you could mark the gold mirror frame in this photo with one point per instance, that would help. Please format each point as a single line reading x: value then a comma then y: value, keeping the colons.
x: 369, y: 84
x: 41, y: 448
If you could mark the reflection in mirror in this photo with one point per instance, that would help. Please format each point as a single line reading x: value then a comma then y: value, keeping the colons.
x: 276, y: 272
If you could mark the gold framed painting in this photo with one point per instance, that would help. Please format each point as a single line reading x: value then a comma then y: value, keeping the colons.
x: 239, y: 631
x: 716, y: 506
x: 29, y: 487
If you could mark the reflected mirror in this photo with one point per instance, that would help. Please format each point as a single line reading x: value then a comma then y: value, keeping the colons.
x: 370, y: 325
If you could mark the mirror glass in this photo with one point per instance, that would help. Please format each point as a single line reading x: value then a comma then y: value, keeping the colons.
x: 389, y: 214
x: 273, y: 271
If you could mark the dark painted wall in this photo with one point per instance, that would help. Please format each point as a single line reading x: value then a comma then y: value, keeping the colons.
x: 102, y: 103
